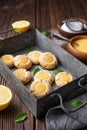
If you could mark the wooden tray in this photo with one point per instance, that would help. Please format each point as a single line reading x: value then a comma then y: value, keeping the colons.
x: 34, y: 39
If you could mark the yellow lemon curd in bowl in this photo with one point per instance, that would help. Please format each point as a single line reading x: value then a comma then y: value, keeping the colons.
x: 78, y: 50
x: 82, y: 45
x: 5, y: 97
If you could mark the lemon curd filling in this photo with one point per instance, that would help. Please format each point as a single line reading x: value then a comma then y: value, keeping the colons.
x: 41, y: 88
x: 82, y: 45
x: 6, y: 58
x: 48, y: 58
x: 44, y: 76
x: 23, y: 59
x: 37, y: 54
x: 65, y: 77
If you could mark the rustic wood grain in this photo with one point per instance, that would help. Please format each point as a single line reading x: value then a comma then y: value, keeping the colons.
x: 43, y: 15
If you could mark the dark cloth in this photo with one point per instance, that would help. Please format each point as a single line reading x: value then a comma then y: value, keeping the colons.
x: 58, y: 119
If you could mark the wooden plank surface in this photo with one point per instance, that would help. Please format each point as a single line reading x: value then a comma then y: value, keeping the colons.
x: 43, y: 15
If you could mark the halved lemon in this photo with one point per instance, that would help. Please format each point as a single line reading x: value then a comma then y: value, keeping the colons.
x: 21, y: 26
x: 5, y: 97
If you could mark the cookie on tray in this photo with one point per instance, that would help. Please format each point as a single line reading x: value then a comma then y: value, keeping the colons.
x: 34, y: 56
x: 8, y: 60
x: 48, y: 60
x: 22, y: 61
x: 40, y: 88
x: 23, y: 75
x: 63, y: 78
x: 44, y: 75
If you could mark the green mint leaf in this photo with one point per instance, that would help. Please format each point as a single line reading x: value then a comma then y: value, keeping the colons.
x: 56, y: 71
x: 28, y: 51
x: 36, y: 70
x: 46, y: 33
x: 21, y: 117
x: 75, y: 103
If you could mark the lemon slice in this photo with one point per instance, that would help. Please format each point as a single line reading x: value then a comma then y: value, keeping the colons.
x: 5, y: 97
x: 21, y: 26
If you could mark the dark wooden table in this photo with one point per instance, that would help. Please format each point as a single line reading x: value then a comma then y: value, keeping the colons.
x: 43, y: 15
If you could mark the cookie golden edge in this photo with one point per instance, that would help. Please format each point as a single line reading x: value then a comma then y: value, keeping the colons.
x: 9, y: 62
x: 18, y: 64
x: 26, y: 77
x: 48, y: 65
x: 32, y: 56
x: 59, y: 80
x: 44, y: 75
x: 35, y: 86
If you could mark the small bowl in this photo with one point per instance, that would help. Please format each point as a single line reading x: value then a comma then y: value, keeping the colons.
x: 78, y: 54
x: 70, y: 34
